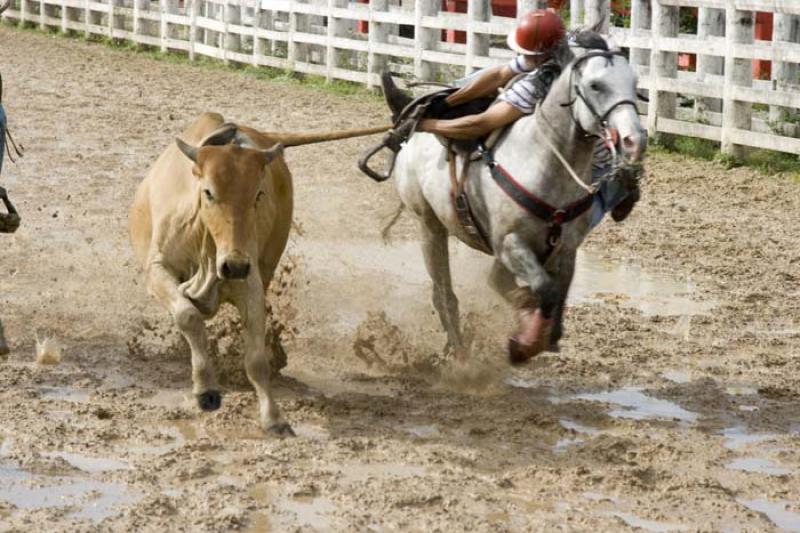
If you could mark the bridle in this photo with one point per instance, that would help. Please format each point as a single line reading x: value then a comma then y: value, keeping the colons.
x: 576, y: 93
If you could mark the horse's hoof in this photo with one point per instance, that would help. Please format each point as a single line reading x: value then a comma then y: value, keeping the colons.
x: 4, y: 350
x: 281, y: 429
x: 210, y: 400
x: 519, y: 353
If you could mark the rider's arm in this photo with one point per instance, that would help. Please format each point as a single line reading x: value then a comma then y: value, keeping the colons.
x: 486, y: 84
x: 473, y: 126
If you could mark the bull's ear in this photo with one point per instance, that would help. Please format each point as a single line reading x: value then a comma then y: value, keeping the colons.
x: 272, y: 153
x: 187, y: 149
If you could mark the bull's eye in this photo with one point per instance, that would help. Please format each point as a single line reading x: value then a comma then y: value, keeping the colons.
x: 209, y: 196
x: 259, y: 196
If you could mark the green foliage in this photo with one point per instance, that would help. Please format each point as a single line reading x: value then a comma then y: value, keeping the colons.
x: 765, y: 161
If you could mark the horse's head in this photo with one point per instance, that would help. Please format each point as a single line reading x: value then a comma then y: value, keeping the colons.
x: 603, y: 92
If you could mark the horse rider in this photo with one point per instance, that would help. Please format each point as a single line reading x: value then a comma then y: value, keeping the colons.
x: 531, y: 73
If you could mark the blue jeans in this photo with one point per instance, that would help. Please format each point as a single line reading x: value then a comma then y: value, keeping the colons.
x: 611, y: 193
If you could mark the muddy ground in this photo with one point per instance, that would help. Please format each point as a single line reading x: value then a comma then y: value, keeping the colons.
x: 673, y: 405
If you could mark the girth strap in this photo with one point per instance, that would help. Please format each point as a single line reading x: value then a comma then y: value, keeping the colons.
x: 461, y: 204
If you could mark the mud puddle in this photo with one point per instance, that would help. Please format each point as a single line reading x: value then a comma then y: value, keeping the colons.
x: 776, y: 512
x: 86, y: 498
x: 635, y: 404
x: 396, y: 273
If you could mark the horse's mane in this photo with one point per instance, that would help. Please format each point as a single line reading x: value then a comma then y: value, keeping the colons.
x: 581, y: 38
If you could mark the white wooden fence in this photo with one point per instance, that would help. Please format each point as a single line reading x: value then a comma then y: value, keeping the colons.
x: 355, y: 40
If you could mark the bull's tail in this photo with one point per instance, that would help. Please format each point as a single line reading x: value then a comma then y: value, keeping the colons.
x: 386, y: 231
x: 299, y: 139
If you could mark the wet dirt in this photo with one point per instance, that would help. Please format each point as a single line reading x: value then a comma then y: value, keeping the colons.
x: 673, y: 404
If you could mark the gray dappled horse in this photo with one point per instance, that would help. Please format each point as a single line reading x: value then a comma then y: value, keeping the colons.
x: 9, y: 222
x: 525, y: 197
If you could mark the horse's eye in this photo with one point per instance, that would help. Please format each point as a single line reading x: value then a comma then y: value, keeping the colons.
x: 209, y: 196
x: 259, y: 196
x: 596, y: 87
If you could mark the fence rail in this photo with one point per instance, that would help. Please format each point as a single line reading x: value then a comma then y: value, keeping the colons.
x: 699, y: 74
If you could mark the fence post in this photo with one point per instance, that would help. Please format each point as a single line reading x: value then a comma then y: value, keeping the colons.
x: 662, y: 65
x: 167, y: 7
x: 641, y: 19
x: 378, y: 33
x: 140, y: 26
x: 523, y: 6
x: 334, y: 29
x: 258, y: 21
x: 194, y: 8
x: 477, y: 43
x: 298, y: 23
x: 23, y: 11
x: 597, y: 12
x: 710, y: 23
x: 424, y: 38
x: 232, y: 15
x: 115, y: 20
x: 736, y: 115
x: 575, y: 13
x: 787, y: 29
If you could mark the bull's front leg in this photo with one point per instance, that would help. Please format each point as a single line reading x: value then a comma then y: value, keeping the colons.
x: 536, y: 303
x: 163, y: 284
x: 249, y: 299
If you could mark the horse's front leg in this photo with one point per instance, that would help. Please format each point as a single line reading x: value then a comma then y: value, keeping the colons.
x: 437, y: 261
x: 536, y: 304
x: 566, y: 270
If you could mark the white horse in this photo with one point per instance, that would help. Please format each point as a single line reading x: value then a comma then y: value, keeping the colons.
x: 545, y: 154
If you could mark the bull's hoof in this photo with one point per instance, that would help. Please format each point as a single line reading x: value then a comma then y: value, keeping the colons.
x: 281, y: 429
x: 210, y: 400
x: 519, y: 353
x: 4, y: 350
x: 554, y: 347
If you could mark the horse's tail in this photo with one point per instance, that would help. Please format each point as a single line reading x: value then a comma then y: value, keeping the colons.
x: 386, y: 231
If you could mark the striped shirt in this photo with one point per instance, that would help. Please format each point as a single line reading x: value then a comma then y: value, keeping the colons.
x: 531, y: 88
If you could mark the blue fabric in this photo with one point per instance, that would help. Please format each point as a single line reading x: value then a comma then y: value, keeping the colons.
x: 2, y: 136
x: 611, y: 193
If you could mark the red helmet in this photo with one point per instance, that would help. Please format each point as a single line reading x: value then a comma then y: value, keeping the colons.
x: 536, y: 33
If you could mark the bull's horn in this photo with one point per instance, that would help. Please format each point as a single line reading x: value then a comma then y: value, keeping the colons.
x: 5, y: 6
x: 272, y: 153
x: 188, y: 150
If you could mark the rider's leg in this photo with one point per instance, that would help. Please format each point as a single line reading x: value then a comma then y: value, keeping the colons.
x: 395, y: 97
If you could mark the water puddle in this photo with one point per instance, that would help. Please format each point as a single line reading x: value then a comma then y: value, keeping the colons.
x: 304, y: 511
x: 171, y: 398
x: 562, y: 444
x: 738, y: 436
x: 566, y: 423
x: 741, y: 390
x: 638, y: 406
x: 396, y: 273
x: 680, y: 377
x: 88, y: 463
x: 597, y: 497
x: 759, y: 465
x: 423, y: 431
x: 311, y: 512
x: 64, y: 394
x: 776, y: 513
x: 90, y: 499
x: 648, y: 525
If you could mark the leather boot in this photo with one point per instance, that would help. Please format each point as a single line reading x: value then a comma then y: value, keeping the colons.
x: 624, y: 208
x: 395, y: 98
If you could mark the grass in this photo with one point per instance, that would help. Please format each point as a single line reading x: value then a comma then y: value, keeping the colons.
x: 765, y: 161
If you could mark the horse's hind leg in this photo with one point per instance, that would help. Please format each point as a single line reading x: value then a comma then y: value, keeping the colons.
x: 437, y: 261
x: 3, y: 345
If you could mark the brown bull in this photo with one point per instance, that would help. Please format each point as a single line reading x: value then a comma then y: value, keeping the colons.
x: 209, y: 224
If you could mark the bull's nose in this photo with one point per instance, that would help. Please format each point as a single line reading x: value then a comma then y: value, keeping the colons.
x: 232, y: 269
x: 634, y: 146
